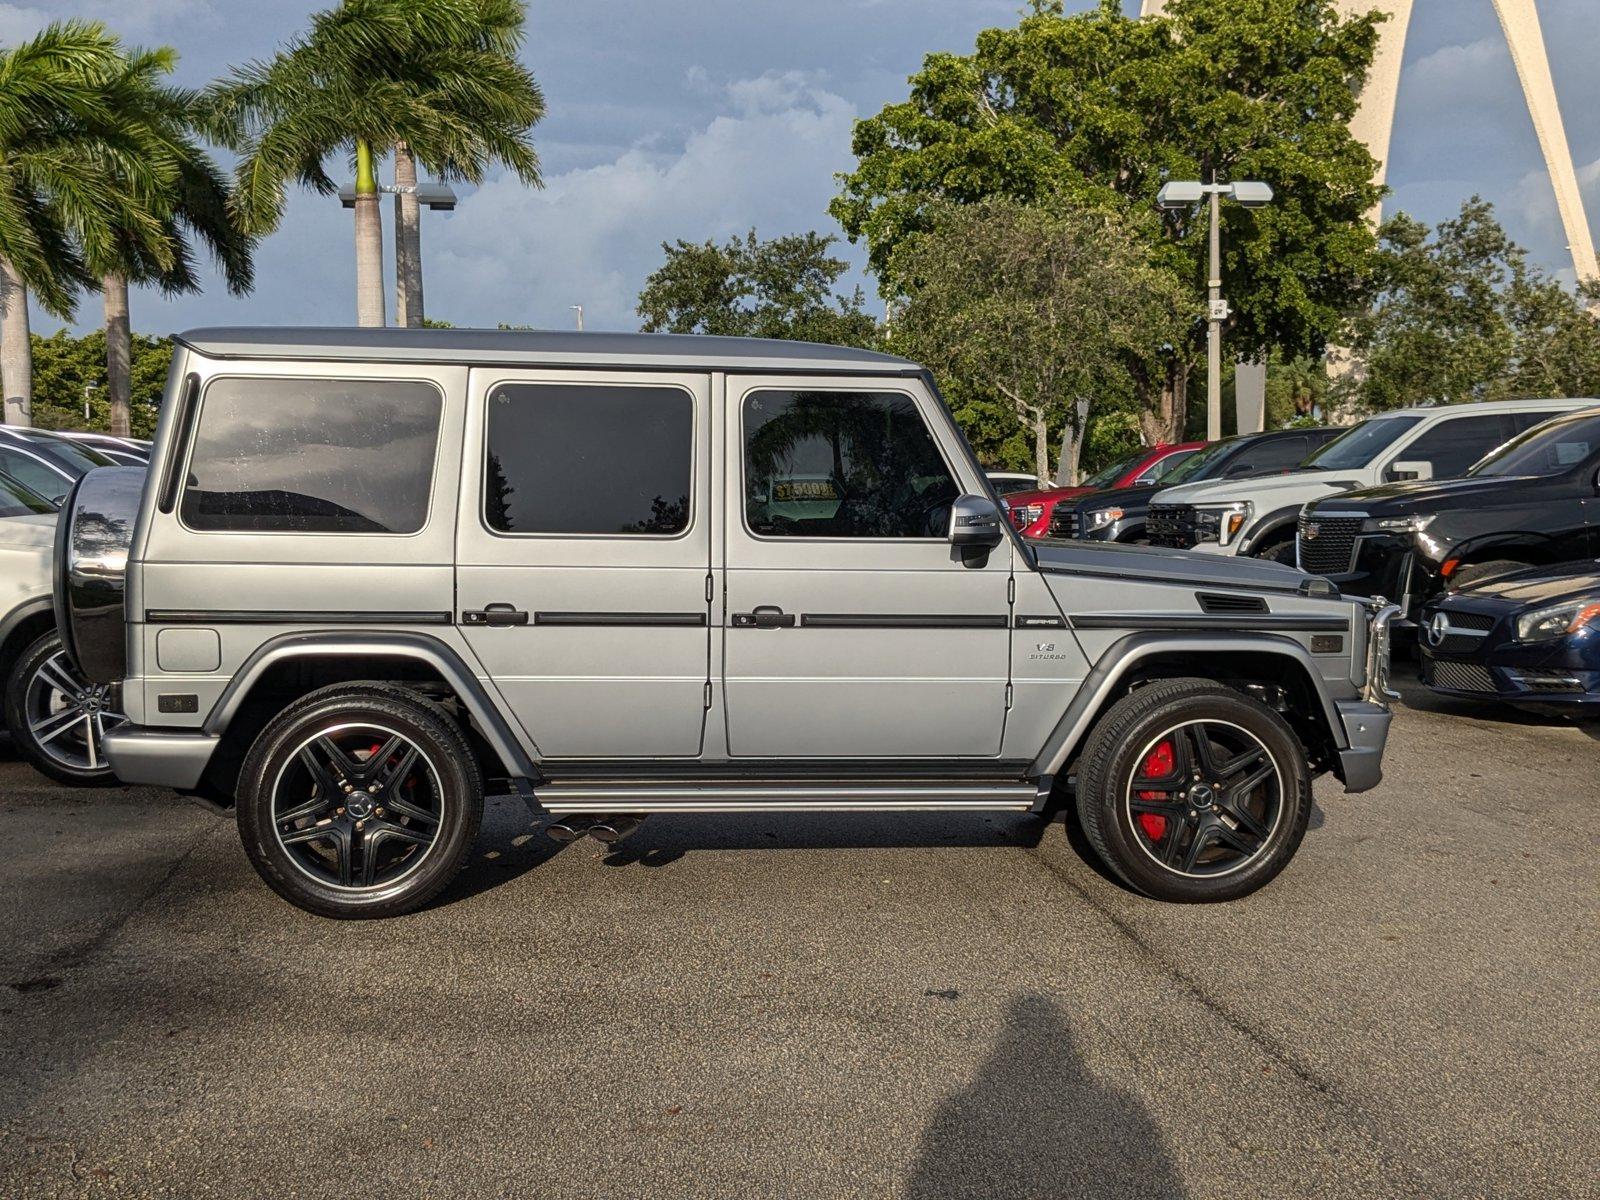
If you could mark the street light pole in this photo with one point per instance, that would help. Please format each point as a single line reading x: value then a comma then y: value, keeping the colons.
x: 1179, y: 194
x: 578, y: 308
x: 1214, y: 329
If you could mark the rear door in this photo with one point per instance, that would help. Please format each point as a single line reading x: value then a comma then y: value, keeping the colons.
x: 584, y: 556
x: 853, y: 629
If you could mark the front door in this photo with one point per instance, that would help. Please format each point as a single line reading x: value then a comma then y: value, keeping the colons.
x: 584, y: 556
x: 852, y: 628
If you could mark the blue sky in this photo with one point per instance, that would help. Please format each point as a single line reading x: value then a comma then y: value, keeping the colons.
x: 703, y: 119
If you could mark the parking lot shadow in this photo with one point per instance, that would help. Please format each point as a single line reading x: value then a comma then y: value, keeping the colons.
x: 1036, y: 1123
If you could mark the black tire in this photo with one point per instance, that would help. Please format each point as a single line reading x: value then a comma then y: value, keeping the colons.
x: 345, y: 816
x: 1129, y: 736
x: 1466, y: 576
x: 56, y: 717
x: 1279, y: 552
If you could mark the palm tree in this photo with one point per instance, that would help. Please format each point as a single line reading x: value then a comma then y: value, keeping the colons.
x: 61, y: 146
x: 435, y: 80
x: 193, y: 203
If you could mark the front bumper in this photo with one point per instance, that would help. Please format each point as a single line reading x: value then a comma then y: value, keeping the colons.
x: 158, y: 758
x: 1366, y: 731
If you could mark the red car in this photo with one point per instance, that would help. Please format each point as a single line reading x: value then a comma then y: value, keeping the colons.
x: 1031, y: 512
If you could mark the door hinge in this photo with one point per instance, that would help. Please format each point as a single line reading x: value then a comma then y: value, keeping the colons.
x: 708, y: 694
x: 1008, y: 697
x: 710, y: 587
x: 1011, y: 589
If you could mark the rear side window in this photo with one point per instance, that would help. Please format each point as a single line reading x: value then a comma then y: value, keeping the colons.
x: 48, y: 481
x: 313, y: 456
x: 596, y: 459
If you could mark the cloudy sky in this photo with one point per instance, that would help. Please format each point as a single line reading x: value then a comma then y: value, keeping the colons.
x: 701, y: 118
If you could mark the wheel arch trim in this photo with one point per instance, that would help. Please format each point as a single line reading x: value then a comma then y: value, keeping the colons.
x: 516, y: 757
x: 1122, y: 656
x: 1268, y: 524
x: 28, y: 610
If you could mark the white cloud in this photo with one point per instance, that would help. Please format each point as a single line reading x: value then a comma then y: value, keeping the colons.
x: 593, y: 234
x: 131, y: 18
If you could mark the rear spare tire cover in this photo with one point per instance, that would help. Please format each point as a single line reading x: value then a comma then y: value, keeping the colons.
x: 93, y: 534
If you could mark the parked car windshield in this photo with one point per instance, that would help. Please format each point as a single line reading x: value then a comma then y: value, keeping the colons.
x: 18, y: 501
x: 1544, y: 449
x: 1194, y: 467
x: 1105, y: 476
x: 64, y: 452
x: 1360, y: 445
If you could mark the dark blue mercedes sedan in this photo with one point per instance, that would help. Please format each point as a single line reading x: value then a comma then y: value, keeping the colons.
x: 1529, y: 636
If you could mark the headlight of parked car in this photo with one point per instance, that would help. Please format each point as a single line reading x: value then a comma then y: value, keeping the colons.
x: 1101, y: 517
x: 1222, y: 523
x: 1413, y: 524
x: 1027, y: 514
x: 1547, y: 624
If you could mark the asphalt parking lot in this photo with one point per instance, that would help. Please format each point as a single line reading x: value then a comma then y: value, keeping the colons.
x: 824, y: 1006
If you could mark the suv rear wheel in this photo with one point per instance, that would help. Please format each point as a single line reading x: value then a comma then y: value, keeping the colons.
x: 57, y: 718
x: 1191, y: 791
x: 359, y: 800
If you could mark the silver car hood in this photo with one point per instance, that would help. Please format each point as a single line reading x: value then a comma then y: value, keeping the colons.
x: 1167, y: 566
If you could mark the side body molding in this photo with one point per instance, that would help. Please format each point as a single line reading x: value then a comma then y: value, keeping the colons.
x: 513, y: 754
x: 1126, y: 653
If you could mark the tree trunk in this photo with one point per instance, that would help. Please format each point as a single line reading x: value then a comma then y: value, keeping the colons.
x: 1068, y: 467
x: 407, y: 240
x: 1171, y: 416
x: 369, y: 241
x: 1041, y: 448
x: 16, y: 347
x: 119, y: 352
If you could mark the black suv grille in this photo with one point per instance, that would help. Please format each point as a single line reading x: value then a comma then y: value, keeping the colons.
x: 1063, y: 522
x: 1456, y: 676
x: 1328, y: 544
x: 1170, y: 525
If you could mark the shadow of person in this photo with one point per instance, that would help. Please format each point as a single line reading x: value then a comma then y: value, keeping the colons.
x: 1035, y: 1123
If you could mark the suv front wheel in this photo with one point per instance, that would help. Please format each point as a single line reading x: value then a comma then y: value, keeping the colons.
x: 1191, y: 791
x: 359, y: 800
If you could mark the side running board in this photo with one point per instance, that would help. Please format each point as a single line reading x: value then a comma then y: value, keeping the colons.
x: 788, y: 795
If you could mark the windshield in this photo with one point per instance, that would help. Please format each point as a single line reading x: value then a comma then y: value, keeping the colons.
x: 18, y: 501
x: 1358, y: 446
x: 64, y: 452
x: 1105, y: 476
x: 1544, y: 449
x: 1194, y: 467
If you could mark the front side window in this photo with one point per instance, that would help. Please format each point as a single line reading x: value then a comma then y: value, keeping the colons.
x: 596, y: 459
x: 313, y: 456
x: 843, y: 465
x: 1160, y: 468
x: 1452, y: 446
x: 18, y: 500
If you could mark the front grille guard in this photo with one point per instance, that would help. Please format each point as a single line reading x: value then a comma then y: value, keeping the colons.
x: 1377, y: 689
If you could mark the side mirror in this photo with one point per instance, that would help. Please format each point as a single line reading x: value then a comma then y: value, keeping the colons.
x: 1411, y: 470
x: 975, y: 521
x: 1144, y: 483
x: 1237, y: 469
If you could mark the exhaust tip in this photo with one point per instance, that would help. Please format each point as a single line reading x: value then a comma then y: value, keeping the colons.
x: 568, y: 829
x: 611, y: 830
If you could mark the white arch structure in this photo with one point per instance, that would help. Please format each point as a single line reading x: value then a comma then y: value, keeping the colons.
x: 1519, y: 19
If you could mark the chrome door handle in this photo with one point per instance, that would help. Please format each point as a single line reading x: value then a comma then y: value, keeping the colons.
x: 764, y: 616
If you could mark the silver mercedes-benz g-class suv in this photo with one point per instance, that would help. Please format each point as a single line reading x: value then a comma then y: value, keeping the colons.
x: 374, y: 573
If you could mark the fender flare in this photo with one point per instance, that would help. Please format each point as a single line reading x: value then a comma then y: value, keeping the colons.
x: 1267, y: 524
x: 26, y: 611
x: 1127, y: 652
x: 514, y: 755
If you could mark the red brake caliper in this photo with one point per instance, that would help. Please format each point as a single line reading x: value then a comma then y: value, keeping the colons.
x: 1158, y: 764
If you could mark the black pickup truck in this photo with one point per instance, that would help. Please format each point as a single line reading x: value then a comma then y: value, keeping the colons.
x: 1534, y: 501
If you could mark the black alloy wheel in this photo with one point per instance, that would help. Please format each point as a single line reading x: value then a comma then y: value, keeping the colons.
x: 57, y: 718
x: 359, y: 800
x: 1192, y: 791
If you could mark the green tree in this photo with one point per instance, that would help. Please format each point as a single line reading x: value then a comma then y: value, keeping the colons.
x: 74, y: 176
x: 1460, y: 314
x: 781, y: 288
x: 191, y: 204
x: 1102, y: 108
x: 69, y: 369
x: 1049, y: 309
x: 435, y: 80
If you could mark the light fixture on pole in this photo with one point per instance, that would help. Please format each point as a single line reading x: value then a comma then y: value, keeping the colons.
x: 1180, y: 194
x: 578, y: 308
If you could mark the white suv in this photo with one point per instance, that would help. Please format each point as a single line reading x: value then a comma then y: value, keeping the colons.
x: 1257, y: 516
